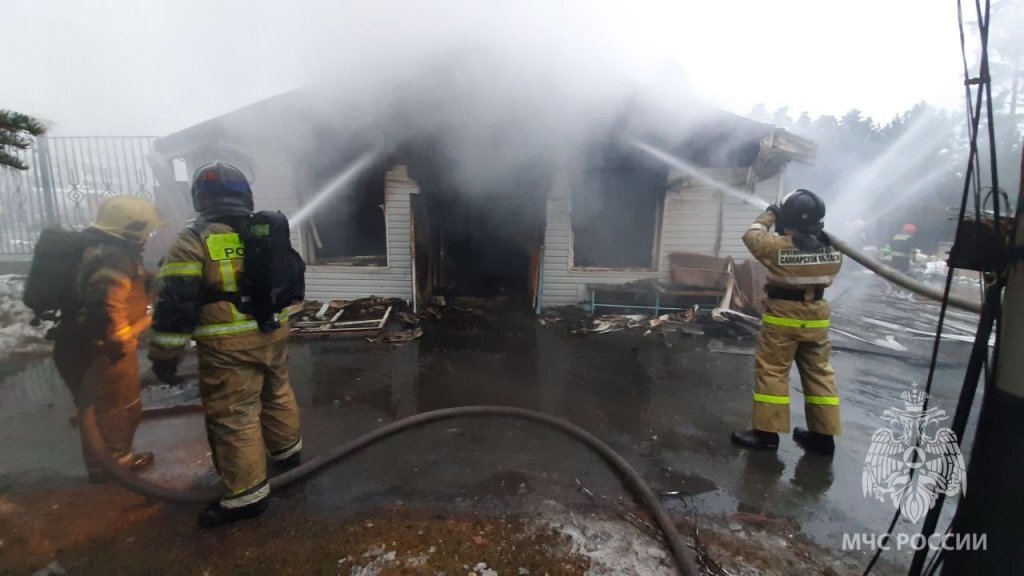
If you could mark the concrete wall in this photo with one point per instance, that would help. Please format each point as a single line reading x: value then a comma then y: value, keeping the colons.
x: 694, y: 219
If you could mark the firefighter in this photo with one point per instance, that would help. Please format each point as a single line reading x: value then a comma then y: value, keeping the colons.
x: 96, y: 342
x: 795, y: 324
x: 903, y: 248
x: 243, y: 370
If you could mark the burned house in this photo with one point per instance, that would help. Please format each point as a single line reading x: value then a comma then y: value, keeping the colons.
x: 414, y: 222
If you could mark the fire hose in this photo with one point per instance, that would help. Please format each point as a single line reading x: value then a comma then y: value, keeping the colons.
x: 861, y: 258
x: 684, y: 559
x: 680, y: 551
x: 899, y: 279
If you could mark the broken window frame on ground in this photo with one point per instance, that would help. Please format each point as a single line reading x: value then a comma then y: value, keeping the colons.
x: 315, y: 319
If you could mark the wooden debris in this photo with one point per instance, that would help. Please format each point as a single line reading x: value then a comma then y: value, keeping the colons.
x: 317, y: 320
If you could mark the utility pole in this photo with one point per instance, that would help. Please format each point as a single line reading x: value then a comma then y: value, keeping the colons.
x: 993, y: 505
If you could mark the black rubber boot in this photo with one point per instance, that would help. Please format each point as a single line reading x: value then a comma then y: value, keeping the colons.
x: 756, y: 439
x: 216, y: 515
x: 289, y: 462
x: 814, y: 441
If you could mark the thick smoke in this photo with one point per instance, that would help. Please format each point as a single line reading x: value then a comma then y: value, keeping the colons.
x: 494, y: 90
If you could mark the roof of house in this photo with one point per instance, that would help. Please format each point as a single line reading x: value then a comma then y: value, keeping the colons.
x: 714, y: 138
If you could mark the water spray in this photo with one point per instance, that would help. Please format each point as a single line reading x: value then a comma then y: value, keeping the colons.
x: 338, y: 184
x: 861, y: 258
x: 695, y: 173
x: 894, y: 161
x: 867, y: 185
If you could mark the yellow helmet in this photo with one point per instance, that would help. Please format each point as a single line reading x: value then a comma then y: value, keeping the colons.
x: 128, y: 217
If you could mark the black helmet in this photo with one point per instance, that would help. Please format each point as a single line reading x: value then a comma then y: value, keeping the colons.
x: 802, y: 211
x: 221, y: 187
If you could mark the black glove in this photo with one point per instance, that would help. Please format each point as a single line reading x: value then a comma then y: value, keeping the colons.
x: 772, y: 209
x: 166, y: 371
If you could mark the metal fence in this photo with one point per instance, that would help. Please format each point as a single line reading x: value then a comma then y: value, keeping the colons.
x: 67, y: 179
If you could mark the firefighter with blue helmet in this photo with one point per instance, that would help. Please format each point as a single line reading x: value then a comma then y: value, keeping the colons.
x: 248, y: 400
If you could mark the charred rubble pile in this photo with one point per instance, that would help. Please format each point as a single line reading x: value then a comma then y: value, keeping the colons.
x: 378, y: 320
x: 703, y: 296
x: 696, y: 321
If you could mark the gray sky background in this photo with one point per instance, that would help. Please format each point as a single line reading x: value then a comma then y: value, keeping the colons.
x: 151, y: 67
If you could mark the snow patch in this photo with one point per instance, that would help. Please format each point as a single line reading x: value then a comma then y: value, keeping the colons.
x: 384, y: 562
x: 17, y: 335
x: 481, y: 569
x: 613, y: 547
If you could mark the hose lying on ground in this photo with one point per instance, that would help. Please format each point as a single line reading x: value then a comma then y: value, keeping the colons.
x: 677, y: 546
x: 901, y: 280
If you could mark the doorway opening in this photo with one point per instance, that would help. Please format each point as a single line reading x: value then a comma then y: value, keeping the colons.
x: 476, y: 237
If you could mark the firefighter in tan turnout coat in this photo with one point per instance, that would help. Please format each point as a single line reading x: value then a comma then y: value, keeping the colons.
x: 243, y: 366
x: 96, y: 343
x: 795, y: 325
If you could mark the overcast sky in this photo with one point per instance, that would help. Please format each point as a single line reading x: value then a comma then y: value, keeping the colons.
x: 115, y: 67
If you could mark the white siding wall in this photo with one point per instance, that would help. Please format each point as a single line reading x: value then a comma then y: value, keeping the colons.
x: 394, y: 281
x: 274, y: 186
x: 737, y: 218
x: 690, y: 223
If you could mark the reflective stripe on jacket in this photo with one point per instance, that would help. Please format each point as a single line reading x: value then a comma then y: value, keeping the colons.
x: 901, y: 245
x: 794, y: 323
x: 207, y: 258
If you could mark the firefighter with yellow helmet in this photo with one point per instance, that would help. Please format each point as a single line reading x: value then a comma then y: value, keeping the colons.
x: 96, y: 341
x: 243, y: 362
x: 801, y: 264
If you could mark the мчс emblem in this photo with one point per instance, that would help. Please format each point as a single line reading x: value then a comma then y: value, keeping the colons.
x: 910, y: 464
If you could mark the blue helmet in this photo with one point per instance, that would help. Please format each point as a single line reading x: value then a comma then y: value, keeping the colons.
x: 221, y: 187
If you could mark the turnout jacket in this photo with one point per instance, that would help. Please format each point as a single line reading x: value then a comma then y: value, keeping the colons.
x: 902, y: 245
x: 204, y: 265
x: 792, y: 269
x: 111, y: 288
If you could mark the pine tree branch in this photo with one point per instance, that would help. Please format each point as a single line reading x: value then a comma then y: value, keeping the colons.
x: 16, y: 131
x: 8, y: 160
x: 17, y: 122
x: 14, y: 140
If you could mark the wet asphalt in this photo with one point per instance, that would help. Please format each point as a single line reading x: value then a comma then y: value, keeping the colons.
x: 666, y: 403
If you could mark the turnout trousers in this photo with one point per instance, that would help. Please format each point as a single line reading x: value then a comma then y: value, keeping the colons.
x: 115, y: 386
x: 250, y: 413
x: 778, y: 347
